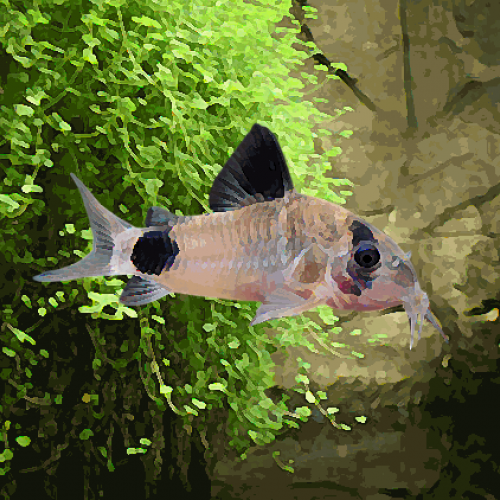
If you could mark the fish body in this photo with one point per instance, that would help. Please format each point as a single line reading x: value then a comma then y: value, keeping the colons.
x: 241, y: 254
x: 264, y: 242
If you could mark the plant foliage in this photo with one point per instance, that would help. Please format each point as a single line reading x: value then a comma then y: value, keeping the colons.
x: 144, y: 101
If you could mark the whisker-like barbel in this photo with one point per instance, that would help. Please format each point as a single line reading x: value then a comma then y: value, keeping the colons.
x: 432, y: 320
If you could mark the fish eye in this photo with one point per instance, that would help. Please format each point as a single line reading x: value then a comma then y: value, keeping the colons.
x: 367, y: 256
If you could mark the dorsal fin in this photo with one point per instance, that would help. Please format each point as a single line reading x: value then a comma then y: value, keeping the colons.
x: 255, y: 172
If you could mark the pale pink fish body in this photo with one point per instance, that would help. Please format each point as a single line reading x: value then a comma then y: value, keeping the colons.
x: 236, y: 255
x: 264, y: 242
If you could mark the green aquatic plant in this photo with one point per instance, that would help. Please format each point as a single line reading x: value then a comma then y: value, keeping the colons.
x: 145, y: 101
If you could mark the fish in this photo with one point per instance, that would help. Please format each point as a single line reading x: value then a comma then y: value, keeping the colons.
x: 263, y: 242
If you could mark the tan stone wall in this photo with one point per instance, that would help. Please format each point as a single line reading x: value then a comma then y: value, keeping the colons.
x: 424, y: 158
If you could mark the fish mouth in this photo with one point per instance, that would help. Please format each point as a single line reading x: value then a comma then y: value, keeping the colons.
x: 417, y: 308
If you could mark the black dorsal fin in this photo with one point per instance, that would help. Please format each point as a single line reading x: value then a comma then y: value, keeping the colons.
x: 255, y: 172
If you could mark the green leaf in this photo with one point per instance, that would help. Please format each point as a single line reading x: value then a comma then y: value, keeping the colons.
x: 153, y: 155
x: 131, y: 313
x: 321, y: 395
x: 190, y: 410
x: 303, y: 411
x: 31, y: 188
x: 21, y: 336
x: 90, y: 40
x: 301, y: 379
x: 199, y: 103
x: 6, y: 455
x: 23, y: 110
x: 86, y: 434
x: 146, y: 21
x: 158, y: 319
x: 23, y: 60
x: 326, y: 315
x: 165, y: 75
x: 23, y: 441
x: 310, y: 397
x: 89, y: 56
x: 358, y: 354
x: 217, y: 386
x: 200, y: 404
x: 253, y: 435
x: 152, y: 186
x: 38, y: 17
x: 135, y: 451
x: 111, y: 34
x: 332, y: 410
x: 9, y: 201
x: 346, y: 133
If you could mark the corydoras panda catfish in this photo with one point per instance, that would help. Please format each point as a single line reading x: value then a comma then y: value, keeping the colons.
x: 263, y: 242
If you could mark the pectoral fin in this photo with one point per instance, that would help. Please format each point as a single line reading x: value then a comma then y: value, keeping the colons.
x: 140, y: 291
x: 284, y: 303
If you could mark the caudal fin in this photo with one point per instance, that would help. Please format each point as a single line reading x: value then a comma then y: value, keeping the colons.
x: 105, y: 227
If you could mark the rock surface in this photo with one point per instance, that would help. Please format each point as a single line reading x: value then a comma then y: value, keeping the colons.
x: 426, y: 170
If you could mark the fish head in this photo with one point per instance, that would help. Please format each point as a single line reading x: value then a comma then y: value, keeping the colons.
x: 376, y: 274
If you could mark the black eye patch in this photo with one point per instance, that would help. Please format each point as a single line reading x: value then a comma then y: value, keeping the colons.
x: 361, y: 232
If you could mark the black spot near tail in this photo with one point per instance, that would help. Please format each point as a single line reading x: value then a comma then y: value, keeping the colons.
x: 154, y: 252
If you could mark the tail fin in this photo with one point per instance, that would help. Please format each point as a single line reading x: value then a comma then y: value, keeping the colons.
x: 105, y: 227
